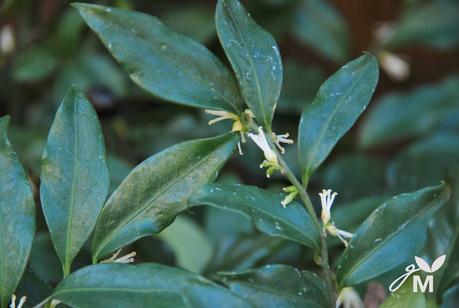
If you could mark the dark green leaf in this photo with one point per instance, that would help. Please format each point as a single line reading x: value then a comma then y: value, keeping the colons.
x: 17, y: 217
x: 33, y: 287
x: 254, y: 56
x: 74, y: 177
x: 157, y: 190
x: 278, y: 286
x: 338, y: 104
x: 162, y: 61
x: 415, y: 113
x: 441, y: 30
x: 398, y: 225
x: 264, y: 208
x: 144, y: 285
x: 220, y: 224
x: 320, y: 26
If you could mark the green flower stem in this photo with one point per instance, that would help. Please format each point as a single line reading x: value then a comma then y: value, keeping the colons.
x: 325, y: 263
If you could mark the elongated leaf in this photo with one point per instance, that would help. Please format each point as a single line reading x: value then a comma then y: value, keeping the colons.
x: 321, y: 27
x: 336, y: 107
x: 144, y: 285
x: 17, y: 217
x: 391, y: 235
x: 278, y: 286
x: 74, y: 177
x: 254, y: 56
x: 161, y: 61
x: 398, y: 116
x: 264, y: 208
x: 157, y: 190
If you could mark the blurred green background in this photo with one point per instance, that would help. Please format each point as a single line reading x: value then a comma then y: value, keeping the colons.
x: 408, y: 139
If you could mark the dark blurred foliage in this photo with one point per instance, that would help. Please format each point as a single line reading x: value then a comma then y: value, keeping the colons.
x: 405, y: 141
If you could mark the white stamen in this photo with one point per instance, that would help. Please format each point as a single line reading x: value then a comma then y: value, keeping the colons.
x: 278, y: 139
x: 260, y: 140
x: 239, y: 148
x: 21, y: 301
x: 129, y: 258
x: 326, y: 200
x: 349, y: 298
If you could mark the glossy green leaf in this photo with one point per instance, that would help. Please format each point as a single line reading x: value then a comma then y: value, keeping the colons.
x: 161, y: 61
x: 34, y: 64
x: 191, y: 246
x: 254, y: 56
x: 74, y: 177
x: 265, y: 210
x: 441, y: 31
x: 399, y: 116
x: 157, y: 190
x: 336, y: 107
x: 278, y: 286
x: 398, y: 225
x: 405, y: 297
x: 17, y: 217
x: 144, y: 285
x: 320, y: 26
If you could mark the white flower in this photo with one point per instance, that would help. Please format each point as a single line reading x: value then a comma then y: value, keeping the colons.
x: 20, y: 304
x: 394, y: 65
x: 292, y: 193
x: 349, y: 298
x: 7, y: 43
x: 384, y: 32
x: 129, y: 258
x: 237, y: 123
x: 326, y: 199
x: 270, y: 162
x: 278, y: 139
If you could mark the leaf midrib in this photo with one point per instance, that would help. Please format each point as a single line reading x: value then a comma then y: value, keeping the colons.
x: 316, y: 145
x: 149, y: 202
x: 391, y: 235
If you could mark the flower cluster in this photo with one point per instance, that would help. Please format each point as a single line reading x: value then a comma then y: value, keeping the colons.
x: 129, y: 258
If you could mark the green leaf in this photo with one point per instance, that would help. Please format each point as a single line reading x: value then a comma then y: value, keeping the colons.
x: 278, y: 286
x: 157, y: 190
x: 320, y: 26
x: 264, y: 208
x: 161, y: 61
x: 397, y: 228
x: 398, y: 116
x: 74, y: 177
x: 144, y: 285
x: 442, y: 30
x: 336, y: 107
x: 17, y: 217
x: 254, y: 56
x: 191, y: 246
x: 405, y: 297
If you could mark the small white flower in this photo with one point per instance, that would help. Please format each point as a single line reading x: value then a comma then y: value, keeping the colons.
x: 349, y: 298
x: 20, y: 304
x: 384, y: 32
x: 394, y: 65
x: 7, y: 43
x: 278, y: 139
x: 129, y: 258
x: 292, y: 193
x: 237, y: 123
x: 326, y: 199
x: 270, y: 162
